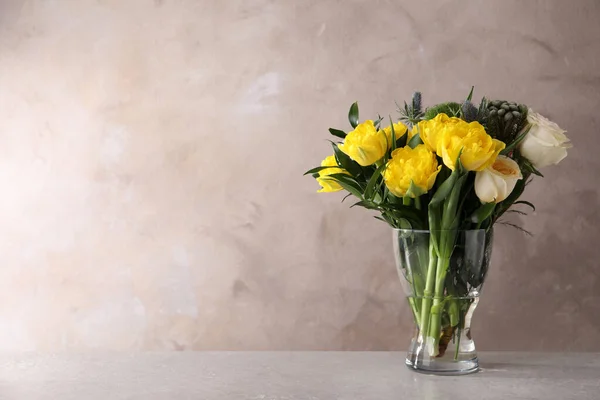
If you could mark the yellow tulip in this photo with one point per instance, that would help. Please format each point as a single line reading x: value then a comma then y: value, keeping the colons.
x: 329, y: 185
x: 447, y: 136
x: 478, y: 148
x: 408, y: 166
x: 365, y: 144
x: 399, y: 130
x: 431, y: 131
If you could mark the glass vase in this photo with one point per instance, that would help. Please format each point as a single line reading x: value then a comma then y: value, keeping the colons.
x: 442, y: 273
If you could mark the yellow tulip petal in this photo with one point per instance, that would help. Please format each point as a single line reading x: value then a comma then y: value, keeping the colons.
x: 417, y: 166
x: 329, y: 185
x: 365, y: 144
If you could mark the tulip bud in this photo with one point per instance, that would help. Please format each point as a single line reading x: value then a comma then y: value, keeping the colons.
x: 496, y: 182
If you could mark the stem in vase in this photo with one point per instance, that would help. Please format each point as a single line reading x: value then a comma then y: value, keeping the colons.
x: 456, y: 351
x: 435, y: 327
x: 428, y: 292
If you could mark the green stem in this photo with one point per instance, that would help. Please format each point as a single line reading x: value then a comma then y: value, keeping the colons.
x: 406, y: 201
x: 418, y: 203
x: 458, y: 333
x: 435, y: 327
x: 415, y: 309
x: 428, y: 292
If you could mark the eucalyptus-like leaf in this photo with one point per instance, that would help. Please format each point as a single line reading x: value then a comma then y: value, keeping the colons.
x: 337, y: 133
x: 353, y: 114
x: 482, y: 213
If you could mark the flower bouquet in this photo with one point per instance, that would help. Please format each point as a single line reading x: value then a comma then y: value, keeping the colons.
x: 442, y: 177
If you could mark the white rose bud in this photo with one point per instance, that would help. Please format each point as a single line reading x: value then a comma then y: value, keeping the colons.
x: 496, y: 182
x: 546, y: 143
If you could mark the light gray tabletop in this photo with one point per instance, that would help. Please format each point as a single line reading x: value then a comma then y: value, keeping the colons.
x: 290, y: 376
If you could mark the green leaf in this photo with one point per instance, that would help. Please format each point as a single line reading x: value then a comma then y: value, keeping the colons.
x: 414, y: 141
x: 526, y: 203
x: 337, y: 132
x: 470, y: 96
x: 446, y: 187
x: 525, y: 231
x: 353, y: 114
x: 366, y: 204
x: 378, y: 120
x: 528, y: 166
x: 373, y: 181
x: 414, y: 191
x: 345, y: 162
x: 393, y: 134
x: 347, y: 183
x: 402, y: 211
x: 482, y: 213
x: 345, y: 197
x: 401, y: 141
x: 316, y: 169
x: 512, y: 197
x: 451, y: 203
x: 516, y: 212
x: 386, y: 218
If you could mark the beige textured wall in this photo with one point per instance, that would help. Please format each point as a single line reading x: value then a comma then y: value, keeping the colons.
x: 151, y: 155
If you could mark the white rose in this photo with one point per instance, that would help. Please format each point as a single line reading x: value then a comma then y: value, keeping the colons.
x: 496, y: 182
x: 546, y: 143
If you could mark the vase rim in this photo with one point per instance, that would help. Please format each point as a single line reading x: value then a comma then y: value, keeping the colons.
x: 440, y: 230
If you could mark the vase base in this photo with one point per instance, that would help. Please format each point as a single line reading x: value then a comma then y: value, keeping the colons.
x: 463, y: 367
